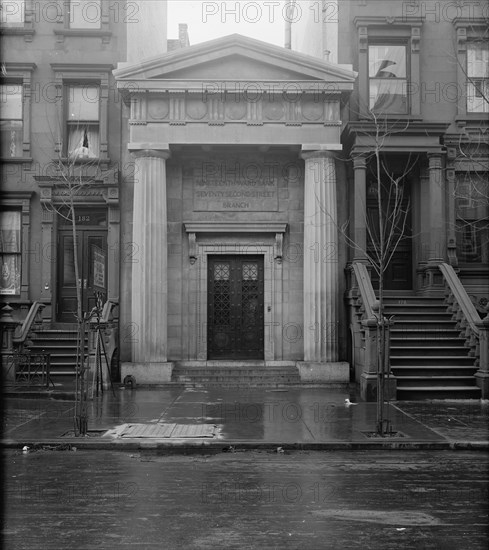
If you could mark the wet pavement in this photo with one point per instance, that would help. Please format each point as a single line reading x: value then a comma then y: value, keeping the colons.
x: 251, y: 499
x: 294, y: 417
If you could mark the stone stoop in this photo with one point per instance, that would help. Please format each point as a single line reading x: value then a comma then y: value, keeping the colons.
x: 428, y: 357
x: 236, y: 374
x: 60, y: 342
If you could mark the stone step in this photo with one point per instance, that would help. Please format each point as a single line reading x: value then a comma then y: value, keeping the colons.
x: 409, y: 309
x: 401, y: 371
x: 423, y: 324
x: 236, y: 375
x: 424, y: 333
x: 429, y: 360
x: 427, y: 350
x: 413, y: 299
x: 418, y: 393
x: 434, y: 381
x: 420, y: 316
x: 422, y: 341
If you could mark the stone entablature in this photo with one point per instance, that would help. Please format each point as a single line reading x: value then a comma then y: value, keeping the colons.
x: 298, y: 102
x: 178, y: 108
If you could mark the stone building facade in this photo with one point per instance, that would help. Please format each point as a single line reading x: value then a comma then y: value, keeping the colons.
x: 236, y: 137
x: 227, y: 187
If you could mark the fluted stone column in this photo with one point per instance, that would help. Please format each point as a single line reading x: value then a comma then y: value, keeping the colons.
x: 149, y: 269
x: 437, y: 207
x: 432, y: 278
x: 360, y: 208
x: 321, y: 327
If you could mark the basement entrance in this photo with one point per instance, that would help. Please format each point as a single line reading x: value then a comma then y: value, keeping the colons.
x: 235, y: 318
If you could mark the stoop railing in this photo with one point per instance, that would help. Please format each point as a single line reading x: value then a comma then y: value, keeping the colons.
x: 364, y: 327
x: 33, y: 317
x: 474, y: 329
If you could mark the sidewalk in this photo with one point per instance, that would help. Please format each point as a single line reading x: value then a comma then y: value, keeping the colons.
x: 226, y: 419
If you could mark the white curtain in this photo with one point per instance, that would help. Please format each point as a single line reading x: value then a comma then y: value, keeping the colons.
x: 83, y: 142
x: 387, y: 74
x: 10, y: 249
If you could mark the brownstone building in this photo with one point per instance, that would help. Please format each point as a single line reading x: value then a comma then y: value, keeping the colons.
x: 421, y: 101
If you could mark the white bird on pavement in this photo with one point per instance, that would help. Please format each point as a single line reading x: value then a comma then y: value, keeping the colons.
x: 348, y: 402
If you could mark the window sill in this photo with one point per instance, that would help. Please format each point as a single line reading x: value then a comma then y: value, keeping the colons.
x: 483, y: 118
x: 26, y: 32
x: 84, y: 33
x: 16, y: 160
x: 393, y: 117
x: 84, y: 160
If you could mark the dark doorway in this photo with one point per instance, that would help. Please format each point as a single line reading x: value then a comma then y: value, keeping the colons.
x: 235, y: 318
x: 398, y: 275
x: 92, y: 264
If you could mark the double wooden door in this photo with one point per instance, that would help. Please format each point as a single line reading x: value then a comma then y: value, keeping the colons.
x: 92, y: 271
x: 235, y: 328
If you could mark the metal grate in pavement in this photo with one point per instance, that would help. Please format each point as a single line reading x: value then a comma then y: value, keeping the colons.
x: 165, y: 431
x: 193, y: 430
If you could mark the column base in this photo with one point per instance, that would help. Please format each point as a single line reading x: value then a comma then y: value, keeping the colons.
x: 147, y: 373
x: 368, y: 387
x: 324, y: 373
x: 430, y: 278
x: 482, y: 380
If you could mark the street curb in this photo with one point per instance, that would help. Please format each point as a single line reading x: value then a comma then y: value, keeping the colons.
x: 230, y: 446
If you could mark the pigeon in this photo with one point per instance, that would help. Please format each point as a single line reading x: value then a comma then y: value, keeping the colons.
x: 348, y: 402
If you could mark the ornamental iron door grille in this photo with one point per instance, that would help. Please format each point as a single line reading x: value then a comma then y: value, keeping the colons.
x: 235, y: 307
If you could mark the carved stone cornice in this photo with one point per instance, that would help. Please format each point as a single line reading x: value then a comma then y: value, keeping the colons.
x: 193, y: 229
x: 319, y: 107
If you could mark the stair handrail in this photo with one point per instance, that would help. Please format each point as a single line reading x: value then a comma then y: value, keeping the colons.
x: 461, y: 297
x: 365, y: 287
x: 478, y: 339
x: 35, y: 309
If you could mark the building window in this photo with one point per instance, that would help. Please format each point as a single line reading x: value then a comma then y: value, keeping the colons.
x: 387, y: 79
x: 472, y: 208
x: 12, y: 12
x: 10, y: 251
x: 83, y: 121
x: 82, y: 103
x: 85, y: 14
x: 478, y: 77
x: 11, y: 120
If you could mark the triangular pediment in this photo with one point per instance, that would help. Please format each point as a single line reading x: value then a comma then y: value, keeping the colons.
x: 238, y: 58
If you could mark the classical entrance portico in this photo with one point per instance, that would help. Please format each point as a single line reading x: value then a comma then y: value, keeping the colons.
x: 228, y: 164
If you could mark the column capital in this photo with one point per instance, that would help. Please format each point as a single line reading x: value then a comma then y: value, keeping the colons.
x: 308, y: 152
x: 148, y: 150
x: 359, y: 162
x: 435, y: 160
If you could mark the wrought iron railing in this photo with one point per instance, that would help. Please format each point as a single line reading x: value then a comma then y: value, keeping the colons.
x: 28, y: 369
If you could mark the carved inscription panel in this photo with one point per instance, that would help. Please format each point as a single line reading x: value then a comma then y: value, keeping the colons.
x: 235, y: 184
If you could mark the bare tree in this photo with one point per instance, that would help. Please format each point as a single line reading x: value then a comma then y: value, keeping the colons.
x: 76, y: 170
x: 384, y: 233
